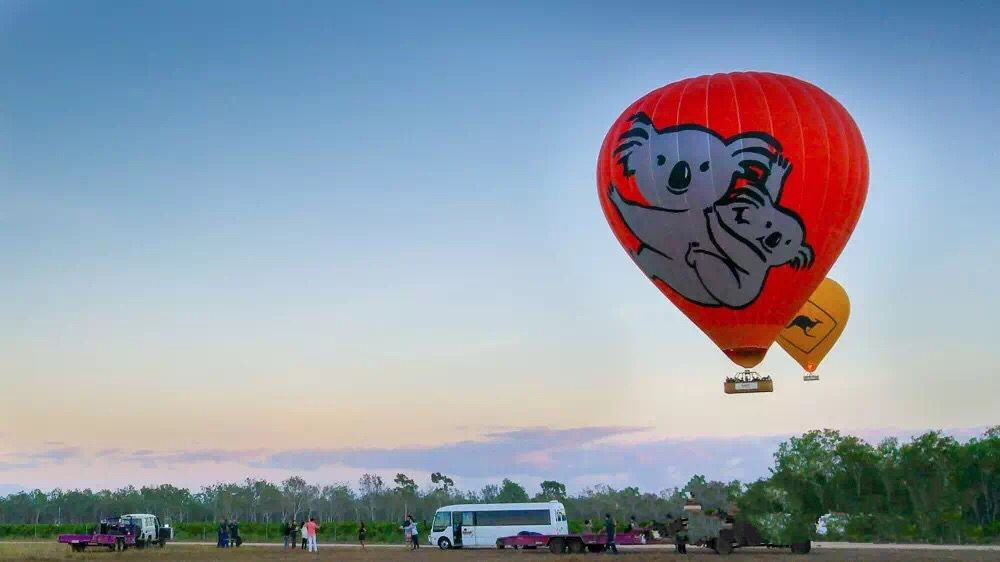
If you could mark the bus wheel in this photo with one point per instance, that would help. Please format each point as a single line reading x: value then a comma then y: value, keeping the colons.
x: 557, y: 546
x: 444, y: 543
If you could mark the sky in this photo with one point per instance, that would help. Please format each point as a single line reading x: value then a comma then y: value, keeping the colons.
x: 330, y: 238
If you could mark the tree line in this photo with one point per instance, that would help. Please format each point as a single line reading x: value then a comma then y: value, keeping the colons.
x: 932, y: 488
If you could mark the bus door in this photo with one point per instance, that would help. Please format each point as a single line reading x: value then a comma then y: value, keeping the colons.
x: 463, y: 524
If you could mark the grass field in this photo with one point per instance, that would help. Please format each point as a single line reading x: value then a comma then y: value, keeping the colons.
x: 46, y: 552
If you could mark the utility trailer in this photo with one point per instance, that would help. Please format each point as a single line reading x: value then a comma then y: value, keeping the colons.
x: 574, y: 543
x: 734, y: 534
x: 120, y: 533
x: 113, y: 534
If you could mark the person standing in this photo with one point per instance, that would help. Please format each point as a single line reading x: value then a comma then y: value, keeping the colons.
x: 362, y: 535
x: 588, y: 527
x: 609, y: 527
x: 287, y: 533
x: 234, y: 534
x: 311, y: 527
x: 304, y: 531
x: 414, y: 533
x: 407, y: 531
x: 224, y: 533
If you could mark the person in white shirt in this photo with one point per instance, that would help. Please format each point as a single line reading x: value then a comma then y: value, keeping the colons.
x: 414, y: 534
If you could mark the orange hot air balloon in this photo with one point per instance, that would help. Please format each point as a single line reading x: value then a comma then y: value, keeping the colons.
x: 735, y: 194
x: 811, y: 333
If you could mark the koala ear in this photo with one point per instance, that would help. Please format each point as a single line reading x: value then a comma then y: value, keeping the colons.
x: 804, y: 258
x: 636, y: 137
x: 754, y: 153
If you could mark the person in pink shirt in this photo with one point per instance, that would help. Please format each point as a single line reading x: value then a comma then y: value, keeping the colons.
x: 311, y: 527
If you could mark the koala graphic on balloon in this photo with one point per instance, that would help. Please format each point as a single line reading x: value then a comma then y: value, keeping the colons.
x: 711, y: 227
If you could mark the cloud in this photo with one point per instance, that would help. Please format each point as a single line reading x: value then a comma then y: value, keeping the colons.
x: 58, y: 455
x: 19, y: 461
x: 516, y: 451
x: 579, y: 457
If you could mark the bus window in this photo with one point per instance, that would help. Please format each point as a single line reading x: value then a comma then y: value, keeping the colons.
x: 468, y: 519
x: 441, y: 521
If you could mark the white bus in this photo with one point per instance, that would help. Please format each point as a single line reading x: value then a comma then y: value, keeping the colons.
x: 480, y: 525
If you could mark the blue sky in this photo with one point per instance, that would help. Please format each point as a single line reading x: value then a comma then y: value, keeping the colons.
x: 332, y: 215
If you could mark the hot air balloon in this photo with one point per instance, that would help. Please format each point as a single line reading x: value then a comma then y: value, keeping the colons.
x: 735, y: 194
x: 815, y: 328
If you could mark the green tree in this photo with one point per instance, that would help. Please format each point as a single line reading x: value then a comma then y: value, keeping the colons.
x: 511, y: 492
x: 552, y: 490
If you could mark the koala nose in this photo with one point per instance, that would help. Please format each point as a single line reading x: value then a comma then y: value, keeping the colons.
x: 773, y: 239
x: 680, y: 177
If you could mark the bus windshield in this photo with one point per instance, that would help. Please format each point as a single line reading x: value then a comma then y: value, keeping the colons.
x: 441, y: 521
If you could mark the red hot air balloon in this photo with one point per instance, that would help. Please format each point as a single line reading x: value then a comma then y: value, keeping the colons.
x: 735, y: 194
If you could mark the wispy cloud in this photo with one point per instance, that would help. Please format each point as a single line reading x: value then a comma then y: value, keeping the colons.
x: 58, y: 455
x: 579, y: 457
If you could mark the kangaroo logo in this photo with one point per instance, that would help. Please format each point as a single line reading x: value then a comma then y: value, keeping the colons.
x: 711, y: 227
x: 805, y: 324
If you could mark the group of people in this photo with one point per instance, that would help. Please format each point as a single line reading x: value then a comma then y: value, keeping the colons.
x: 229, y: 534
x: 411, y: 532
x: 306, y: 530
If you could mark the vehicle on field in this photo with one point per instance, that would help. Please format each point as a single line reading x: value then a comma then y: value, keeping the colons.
x: 481, y: 525
x: 150, y: 531
x: 734, y: 532
x: 120, y: 533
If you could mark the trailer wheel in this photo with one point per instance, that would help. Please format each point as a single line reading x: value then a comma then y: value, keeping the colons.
x: 444, y: 543
x: 557, y: 546
x: 500, y: 544
x: 596, y: 547
x: 576, y: 546
x: 801, y: 547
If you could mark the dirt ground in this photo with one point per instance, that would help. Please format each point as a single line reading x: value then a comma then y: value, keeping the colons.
x: 46, y: 552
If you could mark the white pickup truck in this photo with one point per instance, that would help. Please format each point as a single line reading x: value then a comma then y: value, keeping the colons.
x: 150, y: 531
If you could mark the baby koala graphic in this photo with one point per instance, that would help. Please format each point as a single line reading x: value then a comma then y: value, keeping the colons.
x: 711, y: 227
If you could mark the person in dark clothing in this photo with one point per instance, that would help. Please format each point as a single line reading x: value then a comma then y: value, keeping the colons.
x: 609, y: 527
x: 362, y: 535
x: 286, y: 533
x: 680, y: 537
x: 223, y: 534
x: 234, y: 534
x: 632, y: 525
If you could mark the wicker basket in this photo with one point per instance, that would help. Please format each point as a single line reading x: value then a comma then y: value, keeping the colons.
x: 748, y: 382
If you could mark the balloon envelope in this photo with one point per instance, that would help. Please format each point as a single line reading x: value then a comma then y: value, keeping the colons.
x: 817, y: 326
x: 735, y: 194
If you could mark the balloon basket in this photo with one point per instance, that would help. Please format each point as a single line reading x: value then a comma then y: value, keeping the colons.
x: 810, y: 377
x: 746, y: 382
